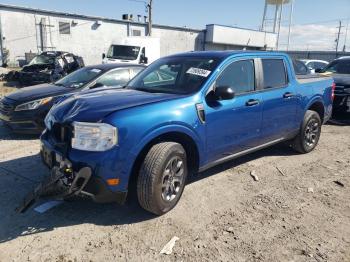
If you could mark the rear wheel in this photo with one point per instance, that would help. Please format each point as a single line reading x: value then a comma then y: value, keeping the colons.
x: 162, y: 177
x: 309, y: 133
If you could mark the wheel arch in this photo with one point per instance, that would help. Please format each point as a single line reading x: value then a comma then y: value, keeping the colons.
x: 187, y: 141
x: 317, y: 105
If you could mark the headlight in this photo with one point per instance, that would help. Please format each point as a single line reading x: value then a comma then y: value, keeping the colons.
x: 33, y: 104
x: 94, y: 136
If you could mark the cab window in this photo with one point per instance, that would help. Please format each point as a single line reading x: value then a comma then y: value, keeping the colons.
x: 240, y: 76
x: 274, y: 72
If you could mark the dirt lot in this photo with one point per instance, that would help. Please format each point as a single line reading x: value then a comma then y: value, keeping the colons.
x: 224, y: 215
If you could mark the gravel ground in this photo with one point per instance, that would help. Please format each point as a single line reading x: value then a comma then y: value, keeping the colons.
x: 296, y: 213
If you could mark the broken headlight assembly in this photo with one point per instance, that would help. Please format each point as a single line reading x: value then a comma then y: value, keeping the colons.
x: 94, y: 136
x: 33, y: 104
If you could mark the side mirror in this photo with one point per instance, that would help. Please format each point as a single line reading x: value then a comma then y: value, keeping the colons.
x: 224, y: 93
x: 103, y: 56
x: 318, y: 70
x: 97, y: 85
x: 144, y: 60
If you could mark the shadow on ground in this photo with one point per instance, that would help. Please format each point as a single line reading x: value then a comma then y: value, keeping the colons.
x: 340, y: 119
x: 18, y: 176
x: 7, y: 134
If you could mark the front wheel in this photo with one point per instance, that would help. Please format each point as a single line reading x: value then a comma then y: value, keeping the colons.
x: 162, y: 177
x: 309, y: 133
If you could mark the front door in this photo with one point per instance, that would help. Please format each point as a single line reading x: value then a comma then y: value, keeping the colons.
x: 234, y: 125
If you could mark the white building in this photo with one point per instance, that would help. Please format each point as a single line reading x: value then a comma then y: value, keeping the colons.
x: 24, y: 30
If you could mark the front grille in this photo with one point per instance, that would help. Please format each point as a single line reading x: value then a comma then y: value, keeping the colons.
x: 6, y: 107
x: 61, y: 133
x: 59, y: 137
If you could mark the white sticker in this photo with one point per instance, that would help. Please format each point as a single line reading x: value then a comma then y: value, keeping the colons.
x: 95, y: 70
x: 198, y: 72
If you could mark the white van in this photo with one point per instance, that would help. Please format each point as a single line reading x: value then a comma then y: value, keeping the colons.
x: 133, y: 50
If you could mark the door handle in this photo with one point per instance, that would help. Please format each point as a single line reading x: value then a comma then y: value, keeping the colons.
x: 288, y: 95
x: 252, y: 102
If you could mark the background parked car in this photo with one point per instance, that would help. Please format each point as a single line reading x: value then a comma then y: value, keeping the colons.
x: 47, y: 67
x: 24, y: 111
x: 340, y: 70
x: 313, y: 64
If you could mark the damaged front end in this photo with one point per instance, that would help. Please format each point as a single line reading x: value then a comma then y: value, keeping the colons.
x: 67, y: 179
x: 61, y: 184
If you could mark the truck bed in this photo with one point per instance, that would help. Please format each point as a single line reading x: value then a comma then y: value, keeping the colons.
x: 305, y: 79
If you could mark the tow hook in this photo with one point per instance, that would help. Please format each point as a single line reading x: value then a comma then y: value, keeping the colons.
x: 61, y: 184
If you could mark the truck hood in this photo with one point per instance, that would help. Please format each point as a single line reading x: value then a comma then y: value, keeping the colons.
x: 342, y: 79
x: 94, y: 106
x: 30, y: 93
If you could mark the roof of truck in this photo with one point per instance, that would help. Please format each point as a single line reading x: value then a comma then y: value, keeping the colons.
x: 226, y: 54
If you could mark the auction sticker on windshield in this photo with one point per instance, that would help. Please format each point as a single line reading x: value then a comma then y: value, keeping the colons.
x: 198, y: 72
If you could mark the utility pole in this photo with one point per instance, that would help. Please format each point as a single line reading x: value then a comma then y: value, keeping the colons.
x: 338, y: 37
x: 346, y: 36
x: 149, y: 8
x: 1, y: 46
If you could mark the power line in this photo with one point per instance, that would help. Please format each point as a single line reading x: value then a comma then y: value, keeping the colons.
x: 325, y: 21
x: 30, y: 36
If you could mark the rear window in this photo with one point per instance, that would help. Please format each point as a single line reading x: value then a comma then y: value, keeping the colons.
x: 274, y: 73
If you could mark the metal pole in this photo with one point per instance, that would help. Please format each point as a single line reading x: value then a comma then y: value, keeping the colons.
x: 1, y: 44
x: 279, y: 26
x: 150, y: 6
x: 346, y: 36
x: 264, y: 17
x: 290, y: 22
x: 275, y: 20
x: 336, y: 49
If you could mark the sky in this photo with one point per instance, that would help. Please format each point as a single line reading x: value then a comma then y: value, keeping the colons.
x: 314, y: 21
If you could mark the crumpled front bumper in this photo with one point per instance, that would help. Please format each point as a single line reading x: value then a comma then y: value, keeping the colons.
x: 78, y: 182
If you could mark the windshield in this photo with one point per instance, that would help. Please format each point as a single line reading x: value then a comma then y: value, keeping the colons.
x: 79, y: 78
x: 338, y: 67
x: 123, y: 52
x: 42, y: 59
x: 177, y: 75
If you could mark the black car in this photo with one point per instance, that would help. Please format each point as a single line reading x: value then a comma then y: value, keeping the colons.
x: 24, y: 111
x: 340, y: 69
x: 48, y: 67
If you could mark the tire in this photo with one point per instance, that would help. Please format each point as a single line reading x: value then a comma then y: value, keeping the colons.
x: 309, y: 133
x: 162, y: 177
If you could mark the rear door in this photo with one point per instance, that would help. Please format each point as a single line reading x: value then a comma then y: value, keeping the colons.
x: 234, y: 125
x: 279, y: 100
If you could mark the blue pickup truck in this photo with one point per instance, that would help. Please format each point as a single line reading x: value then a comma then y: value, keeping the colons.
x: 183, y: 114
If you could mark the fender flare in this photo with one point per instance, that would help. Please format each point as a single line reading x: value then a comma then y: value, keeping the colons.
x: 169, y: 128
